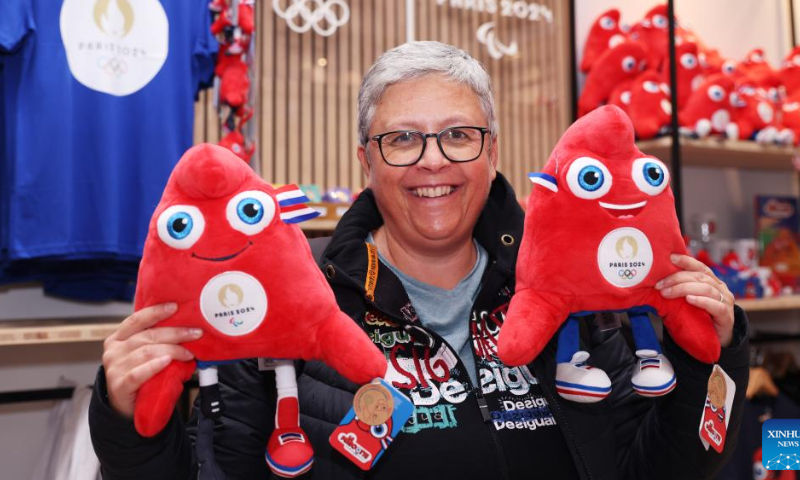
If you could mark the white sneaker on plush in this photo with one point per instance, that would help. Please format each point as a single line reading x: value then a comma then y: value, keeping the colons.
x: 579, y: 382
x: 654, y: 376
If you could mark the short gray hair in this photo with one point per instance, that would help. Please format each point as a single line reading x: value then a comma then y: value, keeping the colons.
x: 417, y: 59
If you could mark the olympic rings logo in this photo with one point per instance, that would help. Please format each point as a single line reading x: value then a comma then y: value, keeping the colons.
x: 627, y: 274
x: 300, y: 18
x: 116, y: 67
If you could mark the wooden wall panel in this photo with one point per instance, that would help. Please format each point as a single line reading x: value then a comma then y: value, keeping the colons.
x: 307, y: 84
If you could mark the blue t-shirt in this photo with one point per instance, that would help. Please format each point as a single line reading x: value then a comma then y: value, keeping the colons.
x: 447, y: 312
x: 98, y: 107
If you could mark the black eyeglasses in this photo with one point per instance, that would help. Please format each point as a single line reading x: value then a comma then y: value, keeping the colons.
x: 403, y: 148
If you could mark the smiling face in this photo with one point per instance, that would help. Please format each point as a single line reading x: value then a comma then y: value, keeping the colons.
x: 213, y: 210
x: 434, y: 203
x: 620, y: 188
x: 600, y: 175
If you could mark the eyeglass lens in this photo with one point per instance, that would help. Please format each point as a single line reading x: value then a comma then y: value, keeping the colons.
x: 458, y: 144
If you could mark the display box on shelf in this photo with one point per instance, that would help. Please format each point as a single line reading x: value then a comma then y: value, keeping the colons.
x: 777, y: 234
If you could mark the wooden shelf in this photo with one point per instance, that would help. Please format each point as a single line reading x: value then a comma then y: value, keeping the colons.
x: 786, y: 302
x: 27, y: 332
x: 330, y: 213
x: 722, y: 153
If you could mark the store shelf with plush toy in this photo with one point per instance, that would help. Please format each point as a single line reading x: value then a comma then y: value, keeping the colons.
x: 717, y: 152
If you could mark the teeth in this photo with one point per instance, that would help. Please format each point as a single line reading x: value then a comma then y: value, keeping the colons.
x: 431, y: 192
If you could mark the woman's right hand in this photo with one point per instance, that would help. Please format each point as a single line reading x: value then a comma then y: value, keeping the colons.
x: 137, y: 351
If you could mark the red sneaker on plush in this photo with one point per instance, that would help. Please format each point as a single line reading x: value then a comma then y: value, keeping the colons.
x: 289, y: 453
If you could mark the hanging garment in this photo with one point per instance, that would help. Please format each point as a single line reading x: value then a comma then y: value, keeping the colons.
x: 68, y: 454
x: 97, y: 107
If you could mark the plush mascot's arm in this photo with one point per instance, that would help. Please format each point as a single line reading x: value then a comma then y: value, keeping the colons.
x: 532, y: 320
x: 339, y: 338
x: 690, y: 327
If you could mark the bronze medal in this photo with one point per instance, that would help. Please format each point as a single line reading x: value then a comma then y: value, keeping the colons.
x: 373, y: 404
x: 717, y: 389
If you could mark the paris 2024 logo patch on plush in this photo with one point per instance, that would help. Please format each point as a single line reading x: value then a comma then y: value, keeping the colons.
x: 625, y: 257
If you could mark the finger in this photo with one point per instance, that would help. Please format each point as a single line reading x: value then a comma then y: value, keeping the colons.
x: 721, y: 315
x: 692, y: 264
x: 144, y: 372
x: 144, y: 318
x: 685, y: 276
x: 714, y: 307
x: 144, y: 354
x: 120, y: 350
x: 692, y: 288
x: 167, y: 335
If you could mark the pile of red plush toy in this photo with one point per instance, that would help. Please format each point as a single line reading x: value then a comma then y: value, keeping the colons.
x: 741, y: 100
x: 234, y: 25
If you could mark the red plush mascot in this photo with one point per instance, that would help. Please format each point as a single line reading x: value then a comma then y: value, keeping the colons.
x: 650, y: 109
x: 615, y: 66
x: 599, y: 229
x: 604, y: 34
x: 751, y: 115
x: 709, y: 108
x: 690, y: 73
x: 790, y: 72
x: 222, y: 245
x: 653, y: 31
x: 646, y: 101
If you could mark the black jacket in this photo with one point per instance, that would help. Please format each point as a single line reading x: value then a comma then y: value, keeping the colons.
x: 458, y: 430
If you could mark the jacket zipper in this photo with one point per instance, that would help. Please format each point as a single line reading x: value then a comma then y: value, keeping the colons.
x: 484, y: 408
x: 482, y: 404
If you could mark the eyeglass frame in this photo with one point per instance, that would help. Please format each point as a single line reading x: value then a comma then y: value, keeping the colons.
x: 425, y: 137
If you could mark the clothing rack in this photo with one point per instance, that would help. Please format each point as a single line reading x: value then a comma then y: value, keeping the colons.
x: 46, y: 394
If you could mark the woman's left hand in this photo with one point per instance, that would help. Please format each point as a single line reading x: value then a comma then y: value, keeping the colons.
x: 702, y: 289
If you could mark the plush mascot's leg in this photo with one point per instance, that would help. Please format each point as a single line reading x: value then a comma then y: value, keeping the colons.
x: 210, y: 398
x: 155, y: 402
x: 654, y: 375
x: 575, y: 379
x: 208, y: 469
x: 289, y: 453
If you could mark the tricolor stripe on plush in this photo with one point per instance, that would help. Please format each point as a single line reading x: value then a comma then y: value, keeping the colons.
x: 650, y: 363
x: 291, y: 437
x: 566, y: 388
x: 656, y: 391
x: 287, y: 471
x: 547, y: 181
x: 291, y: 201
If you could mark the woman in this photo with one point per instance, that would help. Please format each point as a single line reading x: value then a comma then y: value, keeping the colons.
x: 441, y: 228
